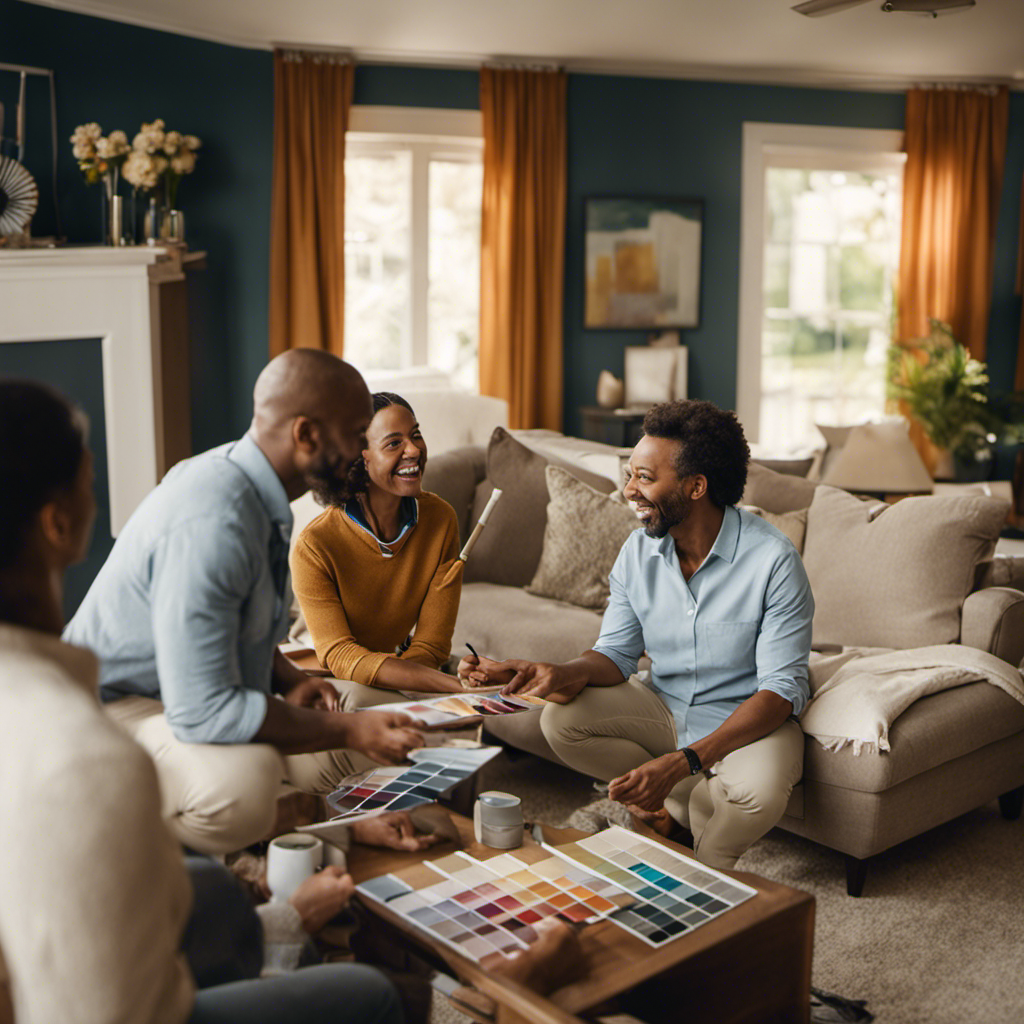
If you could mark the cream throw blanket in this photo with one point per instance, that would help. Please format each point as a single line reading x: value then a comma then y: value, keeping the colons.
x: 857, y: 694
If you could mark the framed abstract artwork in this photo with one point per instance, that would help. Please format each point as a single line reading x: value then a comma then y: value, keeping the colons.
x: 642, y: 259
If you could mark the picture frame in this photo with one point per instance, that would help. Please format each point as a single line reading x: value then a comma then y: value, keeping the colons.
x: 642, y: 262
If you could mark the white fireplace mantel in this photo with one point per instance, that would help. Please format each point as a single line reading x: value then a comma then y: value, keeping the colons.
x: 79, y: 294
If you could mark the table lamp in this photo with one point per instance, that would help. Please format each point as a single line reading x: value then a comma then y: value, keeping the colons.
x: 879, y: 458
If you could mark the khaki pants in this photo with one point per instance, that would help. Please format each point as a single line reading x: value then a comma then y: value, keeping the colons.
x: 609, y: 730
x: 220, y: 797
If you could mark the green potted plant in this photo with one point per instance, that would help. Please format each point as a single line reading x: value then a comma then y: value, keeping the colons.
x: 946, y: 391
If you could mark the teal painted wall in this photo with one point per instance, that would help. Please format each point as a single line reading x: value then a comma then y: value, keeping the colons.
x: 120, y: 76
x: 646, y: 136
x: 629, y: 135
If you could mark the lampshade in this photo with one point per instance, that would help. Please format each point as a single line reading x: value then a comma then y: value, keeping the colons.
x: 879, y: 458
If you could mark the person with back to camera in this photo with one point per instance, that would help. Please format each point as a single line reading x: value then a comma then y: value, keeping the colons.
x: 720, y: 601
x: 372, y: 568
x: 99, y: 920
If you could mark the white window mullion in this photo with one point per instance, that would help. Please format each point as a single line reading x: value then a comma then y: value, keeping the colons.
x: 420, y: 242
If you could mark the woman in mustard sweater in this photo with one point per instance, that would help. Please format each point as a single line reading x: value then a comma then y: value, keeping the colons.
x: 371, y: 568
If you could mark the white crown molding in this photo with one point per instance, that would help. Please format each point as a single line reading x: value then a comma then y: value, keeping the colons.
x: 781, y: 76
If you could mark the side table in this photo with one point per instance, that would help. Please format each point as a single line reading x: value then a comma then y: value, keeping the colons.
x: 619, y: 428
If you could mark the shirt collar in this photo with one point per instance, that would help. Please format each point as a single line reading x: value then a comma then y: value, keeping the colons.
x: 410, y: 513
x: 725, y: 543
x: 246, y: 454
x: 79, y: 663
x: 728, y: 538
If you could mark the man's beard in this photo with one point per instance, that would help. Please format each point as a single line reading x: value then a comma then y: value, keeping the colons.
x: 328, y: 480
x: 669, y: 513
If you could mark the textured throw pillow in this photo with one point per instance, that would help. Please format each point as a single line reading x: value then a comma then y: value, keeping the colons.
x: 776, y: 492
x: 895, y: 575
x: 792, y: 525
x: 585, y: 531
x: 510, y: 545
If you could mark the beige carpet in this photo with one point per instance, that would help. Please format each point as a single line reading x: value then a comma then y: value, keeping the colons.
x: 937, y: 937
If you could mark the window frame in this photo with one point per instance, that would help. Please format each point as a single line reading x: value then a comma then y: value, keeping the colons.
x: 426, y: 133
x: 766, y: 145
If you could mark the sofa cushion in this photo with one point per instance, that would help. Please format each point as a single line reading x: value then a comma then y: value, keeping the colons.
x: 584, y: 533
x: 932, y: 731
x: 777, y: 492
x: 507, y: 622
x: 510, y: 546
x: 895, y: 575
x: 793, y: 525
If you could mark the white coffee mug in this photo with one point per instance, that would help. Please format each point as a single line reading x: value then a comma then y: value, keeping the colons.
x: 498, y: 820
x: 291, y: 859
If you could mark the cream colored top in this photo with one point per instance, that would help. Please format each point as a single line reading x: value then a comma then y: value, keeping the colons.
x: 93, y: 893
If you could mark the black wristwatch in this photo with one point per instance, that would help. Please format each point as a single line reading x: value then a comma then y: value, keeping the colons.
x: 693, y: 760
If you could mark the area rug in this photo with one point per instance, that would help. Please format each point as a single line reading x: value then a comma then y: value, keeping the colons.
x: 935, y: 939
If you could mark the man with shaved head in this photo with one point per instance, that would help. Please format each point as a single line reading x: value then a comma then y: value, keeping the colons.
x: 187, y: 612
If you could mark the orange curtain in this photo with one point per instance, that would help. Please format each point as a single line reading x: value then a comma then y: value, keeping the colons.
x: 522, y: 255
x: 956, y: 146
x: 312, y: 98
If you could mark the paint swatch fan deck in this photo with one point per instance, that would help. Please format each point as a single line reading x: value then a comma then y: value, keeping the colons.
x: 466, y: 707
x: 434, y: 771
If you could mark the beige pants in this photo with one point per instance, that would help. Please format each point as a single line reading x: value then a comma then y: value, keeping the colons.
x: 607, y: 731
x: 220, y: 797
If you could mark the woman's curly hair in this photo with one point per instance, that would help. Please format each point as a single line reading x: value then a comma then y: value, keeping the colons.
x: 358, y: 479
x: 711, y: 444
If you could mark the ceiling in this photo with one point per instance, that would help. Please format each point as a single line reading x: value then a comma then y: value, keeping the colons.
x: 730, y: 40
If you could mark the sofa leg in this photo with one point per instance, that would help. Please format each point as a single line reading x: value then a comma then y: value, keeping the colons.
x: 856, y: 870
x: 1010, y: 804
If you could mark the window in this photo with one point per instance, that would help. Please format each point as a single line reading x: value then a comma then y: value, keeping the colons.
x: 821, y: 229
x: 413, y: 190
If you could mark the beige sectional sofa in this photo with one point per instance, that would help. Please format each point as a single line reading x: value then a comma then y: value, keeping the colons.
x: 920, y: 573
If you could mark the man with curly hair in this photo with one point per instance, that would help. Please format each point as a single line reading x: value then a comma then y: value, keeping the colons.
x: 719, y: 600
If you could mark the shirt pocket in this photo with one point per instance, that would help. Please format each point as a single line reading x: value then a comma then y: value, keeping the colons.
x: 732, y: 645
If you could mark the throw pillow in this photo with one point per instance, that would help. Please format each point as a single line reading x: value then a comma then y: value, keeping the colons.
x: 895, y: 575
x: 584, y: 533
x: 792, y: 525
x: 776, y: 492
x: 510, y: 546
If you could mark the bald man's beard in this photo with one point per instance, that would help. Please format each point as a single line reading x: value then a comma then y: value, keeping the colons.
x: 328, y: 479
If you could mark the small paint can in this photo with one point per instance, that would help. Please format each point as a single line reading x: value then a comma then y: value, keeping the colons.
x: 498, y: 820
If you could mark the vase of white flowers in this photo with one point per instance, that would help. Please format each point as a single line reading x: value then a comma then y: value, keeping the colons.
x: 100, y: 158
x: 158, y: 160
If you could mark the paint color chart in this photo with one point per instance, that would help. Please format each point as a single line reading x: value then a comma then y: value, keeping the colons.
x: 674, y: 894
x: 456, y: 707
x: 433, y: 772
x: 484, y: 907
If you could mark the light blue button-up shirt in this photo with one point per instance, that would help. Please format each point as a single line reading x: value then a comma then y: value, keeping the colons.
x: 193, y: 600
x: 742, y: 622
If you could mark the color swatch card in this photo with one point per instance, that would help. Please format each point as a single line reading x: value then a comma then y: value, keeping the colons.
x: 456, y: 707
x: 480, y: 908
x: 674, y: 894
x: 433, y: 773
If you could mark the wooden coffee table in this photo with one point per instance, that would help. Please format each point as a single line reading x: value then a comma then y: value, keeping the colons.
x: 751, y: 964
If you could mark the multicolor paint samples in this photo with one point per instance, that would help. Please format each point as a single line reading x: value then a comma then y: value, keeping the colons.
x: 433, y: 773
x: 485, y: 907
x: 456, y: 707
x: 674, y: 894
